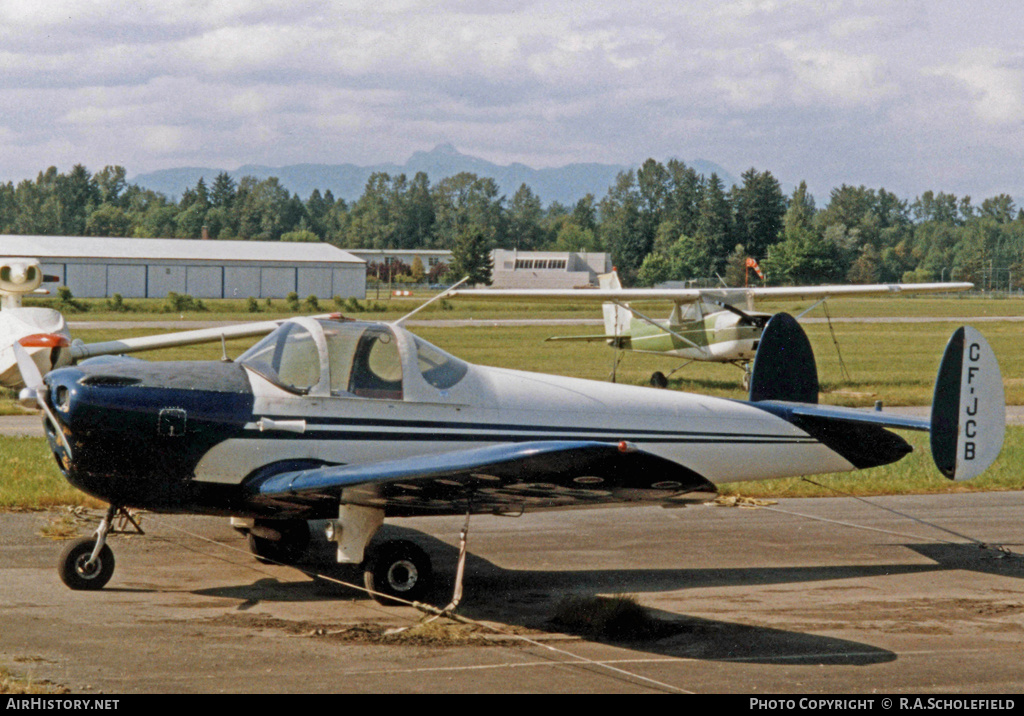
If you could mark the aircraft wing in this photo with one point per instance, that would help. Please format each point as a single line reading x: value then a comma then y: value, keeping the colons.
x: 506, y: 477
x: 80, y: 350
x: 729, y: 295
x: 678, y: 295
x: 877, y: 289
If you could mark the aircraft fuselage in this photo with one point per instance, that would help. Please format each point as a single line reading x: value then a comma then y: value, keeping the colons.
x: 720, y: 337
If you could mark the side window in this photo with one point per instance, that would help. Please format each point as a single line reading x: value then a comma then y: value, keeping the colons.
x: 438, y: 368
x: 341, y: 348
x: 377, y: 366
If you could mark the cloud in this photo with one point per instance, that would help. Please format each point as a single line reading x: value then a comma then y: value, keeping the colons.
x: 995, y: 81
x: 846, y: 91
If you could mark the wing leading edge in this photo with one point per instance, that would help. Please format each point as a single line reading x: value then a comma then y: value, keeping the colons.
x: 728, y: 295
x: 507, y: 477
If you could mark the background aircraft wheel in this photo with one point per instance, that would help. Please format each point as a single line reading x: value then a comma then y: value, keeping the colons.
x: 73, y: 568
x: 289, y: 549
x: 398, y: 569
x: 658, y: 380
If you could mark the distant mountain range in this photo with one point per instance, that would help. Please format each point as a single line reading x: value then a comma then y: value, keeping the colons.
x: 565, y: 185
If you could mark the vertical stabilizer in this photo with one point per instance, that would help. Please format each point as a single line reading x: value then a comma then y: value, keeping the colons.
x: 784, y: 367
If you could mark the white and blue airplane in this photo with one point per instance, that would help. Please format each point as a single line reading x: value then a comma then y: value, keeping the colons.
x: 357, y: 422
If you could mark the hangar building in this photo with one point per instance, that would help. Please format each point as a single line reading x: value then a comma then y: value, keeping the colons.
x: 152, y: 268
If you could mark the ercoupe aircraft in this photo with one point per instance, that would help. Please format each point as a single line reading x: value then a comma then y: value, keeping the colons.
x: 706, y: 324
x: 353, y: 422
x: 44, y: 333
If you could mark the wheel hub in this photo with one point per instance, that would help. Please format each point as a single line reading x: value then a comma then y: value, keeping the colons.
x: 85, y: 569
x: 402, y: 575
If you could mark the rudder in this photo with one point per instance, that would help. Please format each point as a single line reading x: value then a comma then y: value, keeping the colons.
x: 968, y: 419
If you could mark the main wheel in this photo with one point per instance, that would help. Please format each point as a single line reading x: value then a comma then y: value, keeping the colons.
x: 289, y: 548
x: 398, y: 569
x: 75, y: 570
x: 658, y: 380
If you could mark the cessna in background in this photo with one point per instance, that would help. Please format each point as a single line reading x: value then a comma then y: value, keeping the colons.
x: 706, y: 324
x: 353, y: 422
x: 44, y: 334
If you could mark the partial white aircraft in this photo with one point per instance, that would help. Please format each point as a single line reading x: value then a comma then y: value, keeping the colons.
x: 706, y: 324
x: 44, y: 334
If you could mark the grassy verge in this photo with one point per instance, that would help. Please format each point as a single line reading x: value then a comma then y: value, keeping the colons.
x: 31, y: 480
x: 147, y: 309
x: 11, y: 684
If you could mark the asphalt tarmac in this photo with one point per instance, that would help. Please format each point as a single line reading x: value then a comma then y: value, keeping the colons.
x: 896, y: 595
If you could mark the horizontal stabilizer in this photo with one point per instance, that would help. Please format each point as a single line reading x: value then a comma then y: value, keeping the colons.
x: 968, y: 416
x: 968, y: 411
x: 584, y: 339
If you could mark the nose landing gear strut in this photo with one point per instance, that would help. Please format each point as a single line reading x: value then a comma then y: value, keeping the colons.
x: 87, y: 563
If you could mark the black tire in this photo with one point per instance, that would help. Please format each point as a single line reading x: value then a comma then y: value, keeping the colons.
x: 398, y: 569
x: 658, y: 380
x: 290, y: 549
x: 72, y: 565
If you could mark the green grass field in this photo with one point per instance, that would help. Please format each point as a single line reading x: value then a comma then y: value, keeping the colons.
x: 387, y: 308
x: 891, y: 362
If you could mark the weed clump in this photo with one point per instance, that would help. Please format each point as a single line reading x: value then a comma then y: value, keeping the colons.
x: 617, y: 618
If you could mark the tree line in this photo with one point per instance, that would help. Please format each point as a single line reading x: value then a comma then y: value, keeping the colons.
x: 660, y: 222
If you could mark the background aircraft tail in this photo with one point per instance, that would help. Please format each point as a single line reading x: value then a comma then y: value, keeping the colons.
x: 616, y: 318
x: 968, y: 416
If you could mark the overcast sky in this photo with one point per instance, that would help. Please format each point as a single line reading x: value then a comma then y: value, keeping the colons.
x: 906, y: 95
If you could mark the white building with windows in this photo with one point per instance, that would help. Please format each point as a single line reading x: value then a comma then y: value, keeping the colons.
x: 547, y: 269
x: 151, y: 268
x: 512, y: 268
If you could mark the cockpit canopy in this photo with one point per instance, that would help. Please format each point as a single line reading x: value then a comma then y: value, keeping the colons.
x: 349, y: 358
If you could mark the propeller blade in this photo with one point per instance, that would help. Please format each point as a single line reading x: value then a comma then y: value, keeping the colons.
x: 30, y: 374
x: 36, y: 388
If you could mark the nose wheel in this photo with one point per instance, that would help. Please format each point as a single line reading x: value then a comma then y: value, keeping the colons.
x: 88, y: 562
x: 80, y: 570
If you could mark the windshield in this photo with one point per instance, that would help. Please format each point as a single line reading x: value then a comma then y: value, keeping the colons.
x: 288, y: 357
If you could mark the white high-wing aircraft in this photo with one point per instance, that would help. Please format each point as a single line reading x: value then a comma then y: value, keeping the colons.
x: 353, y: 422
x: 706, y: 324
x: 44, y: 334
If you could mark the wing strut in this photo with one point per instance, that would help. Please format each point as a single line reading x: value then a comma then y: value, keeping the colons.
x: 835, y: 341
